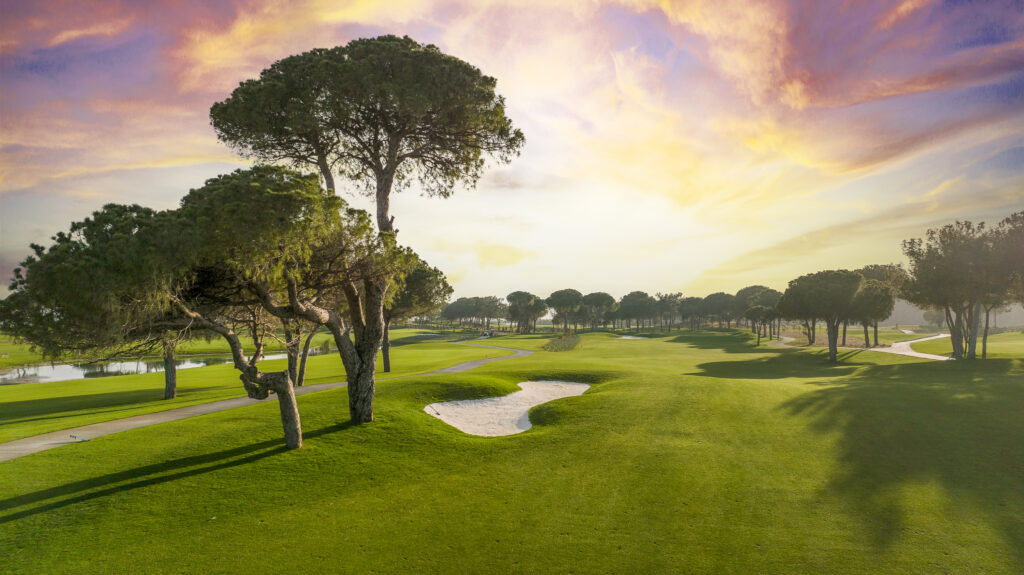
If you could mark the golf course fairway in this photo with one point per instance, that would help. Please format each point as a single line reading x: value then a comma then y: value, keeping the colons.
x: 691, y: 452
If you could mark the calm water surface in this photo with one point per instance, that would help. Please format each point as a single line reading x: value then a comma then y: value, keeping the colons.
x: 69, y: 371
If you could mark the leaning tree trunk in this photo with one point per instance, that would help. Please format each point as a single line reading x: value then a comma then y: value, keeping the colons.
x: 385, y: 348
x: 953, y: 322
x: 291, y: 347
x: 301, y: 379
x: 259, y: 385
x: 281, y: 384
x: 170, y: 371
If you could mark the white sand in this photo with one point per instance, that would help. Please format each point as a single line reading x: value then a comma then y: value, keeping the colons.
x: 506, y: 415
x: 907, y: 331
x: 630, y: 337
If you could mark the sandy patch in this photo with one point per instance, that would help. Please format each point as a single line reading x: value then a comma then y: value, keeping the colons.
x: 506, y: 415
x: 631, y: 337
x: 907, y: 331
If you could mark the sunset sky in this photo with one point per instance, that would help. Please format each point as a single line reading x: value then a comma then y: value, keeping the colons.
x: 670, y: 146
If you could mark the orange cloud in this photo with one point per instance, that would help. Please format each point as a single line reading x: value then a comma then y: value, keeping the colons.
x: 110, y: 28
x: 900, y: 12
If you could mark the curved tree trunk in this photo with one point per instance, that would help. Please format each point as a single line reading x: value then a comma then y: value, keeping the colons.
x: 291, y: 346
x: 170, y: 371
x: 301, y: 379
x: 258, y: 385
x: 282, y: 386
x: 325, y: 172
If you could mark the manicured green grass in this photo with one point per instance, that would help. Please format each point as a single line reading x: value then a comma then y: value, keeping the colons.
x: 31, y: 409
x: 16, y: 354
x: 19, y: 354
x: 691, y: 453
x: 1008, y: 344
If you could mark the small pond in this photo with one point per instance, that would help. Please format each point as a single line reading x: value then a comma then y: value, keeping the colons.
x: 68, y: 371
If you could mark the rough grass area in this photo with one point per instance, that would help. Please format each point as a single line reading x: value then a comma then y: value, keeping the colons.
x: 564, y: 342
x: 31, y: 409
x: 691, y: 453
x: 1008, y: 344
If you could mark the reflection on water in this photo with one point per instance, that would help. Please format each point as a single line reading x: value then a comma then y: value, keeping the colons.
x: 69, y: 371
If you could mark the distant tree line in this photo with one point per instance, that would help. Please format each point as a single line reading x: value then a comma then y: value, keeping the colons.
x: 961, y: 273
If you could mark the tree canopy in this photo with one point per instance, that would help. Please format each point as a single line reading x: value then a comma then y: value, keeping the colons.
x: 380, y: 111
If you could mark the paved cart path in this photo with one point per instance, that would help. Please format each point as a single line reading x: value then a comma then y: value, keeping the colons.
x: 36, y: 443
x: 898, y: 348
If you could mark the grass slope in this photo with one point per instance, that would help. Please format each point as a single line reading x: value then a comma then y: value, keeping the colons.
x: 31, y: 409
x: 691, y: 453
x: 1008, y: 344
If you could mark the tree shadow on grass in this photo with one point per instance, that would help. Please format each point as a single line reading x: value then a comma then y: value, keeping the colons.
x: 729, y: 341
x: 780, y: 364
x: 959, y: 425
x: 147, y: 475
x: 52, y: 407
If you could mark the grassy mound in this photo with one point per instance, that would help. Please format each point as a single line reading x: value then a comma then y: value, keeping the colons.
x: 564, y: 342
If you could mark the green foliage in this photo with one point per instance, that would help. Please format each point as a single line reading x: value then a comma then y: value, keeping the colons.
x: 873, y: 302
x: 566, y: 303
x: 421, y: 290
x: 482, y: 309
x: 98, y: 286
x: 258, y: 220
x: 720, y: 306
x: 376, y: 109
x: 596, y: 306
x: 524, y: 308
x: 637, y: 305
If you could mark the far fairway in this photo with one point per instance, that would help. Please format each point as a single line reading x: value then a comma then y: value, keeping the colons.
x: 1001, y: 345
x: 691, y: 452
x: 32, y: 409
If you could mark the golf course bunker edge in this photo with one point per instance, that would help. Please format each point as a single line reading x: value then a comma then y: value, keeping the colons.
x: 505, y: 415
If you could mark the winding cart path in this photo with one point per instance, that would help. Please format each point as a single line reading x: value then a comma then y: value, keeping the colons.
x: 42, y: 442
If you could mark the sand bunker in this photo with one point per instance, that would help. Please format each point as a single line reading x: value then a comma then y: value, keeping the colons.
x: 504, y: 415
x: 631, y: 337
